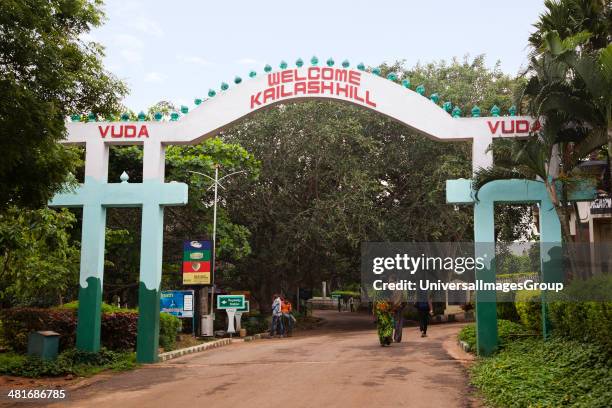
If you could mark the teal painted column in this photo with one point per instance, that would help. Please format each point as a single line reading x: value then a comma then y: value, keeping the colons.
x: 551, y: 256
x: 486, y: 302
x: 91, y: 273
x: 147, y: 341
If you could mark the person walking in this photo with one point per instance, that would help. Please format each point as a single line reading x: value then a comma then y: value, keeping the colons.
x: 424, y: 309
x: 288, y: 319
x: 351, y: 303
x: 398, y: 304
x: 384, y: 322
x: 277, y: 321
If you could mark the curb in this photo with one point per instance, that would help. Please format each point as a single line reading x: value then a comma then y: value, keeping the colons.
x: 194, y: 349
x: 465, y: 346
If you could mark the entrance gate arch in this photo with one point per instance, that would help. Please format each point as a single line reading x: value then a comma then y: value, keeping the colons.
x: 220, y: 110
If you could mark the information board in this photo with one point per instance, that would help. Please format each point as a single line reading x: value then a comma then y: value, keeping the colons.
x: 178, y: 303
x: 197, y: 256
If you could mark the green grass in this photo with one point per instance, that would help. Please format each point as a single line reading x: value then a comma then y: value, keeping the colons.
x: 71, y: 361
x: 556, y: 373
x: 506, y: 331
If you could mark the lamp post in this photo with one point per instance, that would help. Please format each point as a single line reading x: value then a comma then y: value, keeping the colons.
x: 216, y: 183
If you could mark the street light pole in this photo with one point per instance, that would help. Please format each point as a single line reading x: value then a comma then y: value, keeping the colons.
x: 216, y: 184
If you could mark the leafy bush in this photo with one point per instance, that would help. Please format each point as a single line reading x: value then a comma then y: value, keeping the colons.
x: 17, y: 323
x: 256, y: 324
x: 118, y: 331
x: 506, y: 331
x: 529, y: 308
x: 554, y: 373
x: 169, y: 326
x: 106, y: 308
x: 506, y: 309
x: 71, y: 361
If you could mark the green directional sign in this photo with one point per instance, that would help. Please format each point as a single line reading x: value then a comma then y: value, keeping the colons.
x: 245, y: 309
x: 230, y: 302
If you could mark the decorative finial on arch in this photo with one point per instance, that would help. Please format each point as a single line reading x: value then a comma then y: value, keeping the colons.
x: 141, y: 116
x: 124, y: 177
x: 252, y: 74
x: 406, y: 83
x: 392, y: 76
x: 184, y: 109
x: 283, y: 65
x: 237, y: 80
x: 447, y: 106
x: 512, y: 110
x: 268, y: 68
x: 224, y: 86
x: 314, y: 60
x: 299, y: 62
x: 434, y: 97
x: 420, y: 90
x: 158, y: 116
x: 456, y: 112
x: 330, y: 62
x: 361, y: 66
x: 495, y: 111
x: 91, y: 117
x: 346, y: 63
x: 475, y: 111
x: 376, y: 71
x: 174, y: 116
x: 197, y: 101
x: 211, y: 93
x: 125, y: 117
x: 75, y: 118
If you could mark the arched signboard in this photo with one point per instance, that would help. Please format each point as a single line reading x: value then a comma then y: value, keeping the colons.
x: 213, y: 115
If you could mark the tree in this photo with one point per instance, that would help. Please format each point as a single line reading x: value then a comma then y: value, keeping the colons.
x: 39, y: 262
x: 570, y: 89
x: 47, y: 72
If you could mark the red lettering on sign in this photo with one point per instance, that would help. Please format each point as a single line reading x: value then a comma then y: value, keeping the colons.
x: 357, y: 97
x: 354, y: 78
x: 510, y: 130
x: 273, y: 79
x: 143, y: 132
x: 327, y: 73
x: 118, y: 134
x: 104, y: 131
x: 313, y: 73
x: 300, y: 87
x: 341, y: 89
x: 255, y: 99
x: 341, y: 75
x: 493, y: 128
x: 522, y: 126
x: 314, y: 87
x: 297, y: 77
x: 284, y: 94
x: 286, y: 76
x: 130, y: 131
x: 269, y: 94
x: 368, y: 101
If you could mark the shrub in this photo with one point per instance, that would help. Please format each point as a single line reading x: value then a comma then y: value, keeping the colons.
x: 71, y: 361
x: 529, y: 308
x: 119, y: 330
x: 106, y: 308
x: 537, y: 373
x: 256, y: 324
x: 506, y: 309
x: 17, y: 323
x: 506, y: 331
x: 169, y: 326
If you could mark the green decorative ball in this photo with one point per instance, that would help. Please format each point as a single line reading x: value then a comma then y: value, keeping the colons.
x: 475, y: 111
x: 157, y: 116
x: 434, y: 97
x: 237, y: 80
x: 75, y: 117
x: 361, y: 66
x: 376, y: 71
x: 299, y: 62
x: 456, y: 112
x: 447, y: 106
x: 420, y: 90
x: 330, y: 62
x: 125, y: 116
x: 211, y: 93
x: 141, y: 116
x: 392, y: 76
x: 346, y: 63
x: 283, y: 65
x: 184, y: 109
x: 174, y: 116
x: 314, y: 60
x: 406, y: 83
x: 512, y: 110
x: 224, y: 86
x: 91, y: 117
x: 495, y: 110
x: 267, y: 68
x: 252, y: 74
x: 197, y: 101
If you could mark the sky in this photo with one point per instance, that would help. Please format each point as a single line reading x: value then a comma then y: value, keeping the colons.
x: 177, y: 50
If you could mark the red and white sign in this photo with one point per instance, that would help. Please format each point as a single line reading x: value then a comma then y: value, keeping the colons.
x: 123, y: 131
x: 321, y: 81
x: 512, y: 127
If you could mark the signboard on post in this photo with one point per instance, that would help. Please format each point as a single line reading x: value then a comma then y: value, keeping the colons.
x: 178, y: 303
x: 230, y: 302
x: 245, y: 309
x: 197, y: 257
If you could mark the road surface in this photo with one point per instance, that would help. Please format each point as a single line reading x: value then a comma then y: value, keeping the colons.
x: 338, y: 365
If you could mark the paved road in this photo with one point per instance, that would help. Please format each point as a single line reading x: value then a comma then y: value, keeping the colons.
x: 338, y: 365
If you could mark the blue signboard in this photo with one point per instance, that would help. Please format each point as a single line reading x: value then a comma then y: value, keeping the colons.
x: 178, y: 303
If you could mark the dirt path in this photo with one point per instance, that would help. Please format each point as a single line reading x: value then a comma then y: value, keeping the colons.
x: 337, y: 365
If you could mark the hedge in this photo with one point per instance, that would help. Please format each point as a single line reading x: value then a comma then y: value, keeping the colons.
x: 169, y: 326
x: 529, y: 308
x: 118, y: 330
